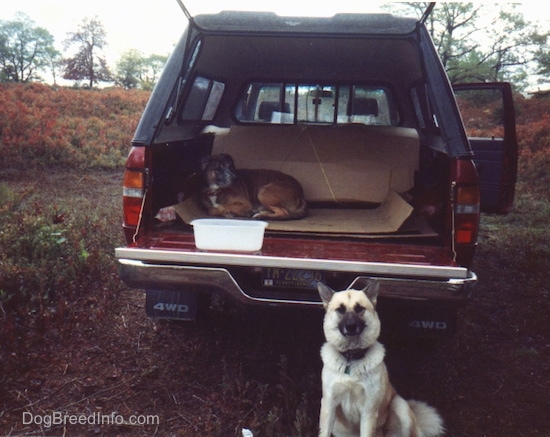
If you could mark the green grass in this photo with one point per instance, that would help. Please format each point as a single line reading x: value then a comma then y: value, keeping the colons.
x: 54, y: 250
x: 517, y: 243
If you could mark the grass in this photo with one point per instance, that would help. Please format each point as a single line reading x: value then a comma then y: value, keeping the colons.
x: 518, y: 242
x: 55, y: 247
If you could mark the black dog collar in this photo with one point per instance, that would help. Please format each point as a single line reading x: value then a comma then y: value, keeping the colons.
x: 355, y: 354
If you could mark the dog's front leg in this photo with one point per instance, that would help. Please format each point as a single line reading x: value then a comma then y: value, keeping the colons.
x: 368, y: 425
x: 327, y: 416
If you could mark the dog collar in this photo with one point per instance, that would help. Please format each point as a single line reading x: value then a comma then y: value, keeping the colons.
x: 355, y: 354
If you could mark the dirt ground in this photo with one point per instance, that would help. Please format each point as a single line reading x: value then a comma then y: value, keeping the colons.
x: 238, y: 368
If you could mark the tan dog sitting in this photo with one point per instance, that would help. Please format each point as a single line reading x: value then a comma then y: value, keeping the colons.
x: 250, y: 193
x: 358, y: 398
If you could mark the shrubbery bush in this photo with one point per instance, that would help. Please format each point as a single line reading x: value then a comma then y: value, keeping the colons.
x: 41, y: 126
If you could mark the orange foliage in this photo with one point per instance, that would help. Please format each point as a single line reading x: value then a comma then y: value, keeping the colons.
x: 44, y: 126
x: 533, y: 134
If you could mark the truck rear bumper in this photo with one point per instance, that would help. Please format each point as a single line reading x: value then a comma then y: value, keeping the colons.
x: 439, y: 287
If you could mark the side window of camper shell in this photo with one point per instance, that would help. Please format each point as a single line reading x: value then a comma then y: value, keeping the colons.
x: 203, y: 100
x: 282, y: 103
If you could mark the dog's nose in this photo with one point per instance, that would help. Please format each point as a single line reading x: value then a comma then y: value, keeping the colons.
x: 351, y: 325
x: 353, y: 329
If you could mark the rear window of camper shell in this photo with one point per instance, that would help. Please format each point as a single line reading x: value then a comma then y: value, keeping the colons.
x: 282, y: 103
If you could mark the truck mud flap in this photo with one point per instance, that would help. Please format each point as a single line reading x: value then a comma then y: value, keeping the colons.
x: 419, y: 320
x: 170, y: 304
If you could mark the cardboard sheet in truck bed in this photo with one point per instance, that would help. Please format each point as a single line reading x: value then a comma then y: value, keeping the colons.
x: 350, y: 163
x: 386, y: 218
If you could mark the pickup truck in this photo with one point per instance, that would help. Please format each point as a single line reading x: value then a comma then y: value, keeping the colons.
x: 359, y: 109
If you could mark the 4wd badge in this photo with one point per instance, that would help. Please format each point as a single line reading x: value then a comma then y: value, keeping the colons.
x: 170, y: 304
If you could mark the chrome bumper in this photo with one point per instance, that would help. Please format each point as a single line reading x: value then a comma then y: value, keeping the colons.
x: 158, y: 275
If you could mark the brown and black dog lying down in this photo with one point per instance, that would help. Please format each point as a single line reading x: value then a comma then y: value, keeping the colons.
x: 259, y: 193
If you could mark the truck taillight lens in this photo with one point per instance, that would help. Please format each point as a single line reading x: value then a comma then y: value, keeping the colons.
x: 466, y: 203
x: 133, y: 183
x: 466, y: 216
x: 133, y: 189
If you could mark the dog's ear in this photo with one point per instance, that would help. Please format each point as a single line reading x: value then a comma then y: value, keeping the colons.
x: 371, y: 290
x: 325, y: 292
x: 227, y: 161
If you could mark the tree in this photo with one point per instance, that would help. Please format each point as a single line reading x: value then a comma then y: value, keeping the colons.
x: 129, y: 69
x: 135, y: 70
x: 153, y: 67
x: 513, y: 44
x: 481, y: 42
x: 543, y: 59
x: 25, y: 49
x: 87, y: 63
x: 56, y: 64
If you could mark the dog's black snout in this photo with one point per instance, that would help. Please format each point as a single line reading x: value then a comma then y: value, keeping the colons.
x: 351, y: 324
x: 354, y: 328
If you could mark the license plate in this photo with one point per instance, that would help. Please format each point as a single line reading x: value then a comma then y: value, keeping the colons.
x: 294, y: 278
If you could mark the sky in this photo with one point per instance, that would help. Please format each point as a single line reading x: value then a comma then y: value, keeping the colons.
x: 154, y: 26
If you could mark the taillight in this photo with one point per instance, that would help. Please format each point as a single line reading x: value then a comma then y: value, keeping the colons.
x: 133, y: 190
x: 465, y: 214
x: 132, y: 196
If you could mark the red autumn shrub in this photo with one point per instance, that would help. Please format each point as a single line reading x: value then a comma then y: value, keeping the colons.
x: 43, y: 126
